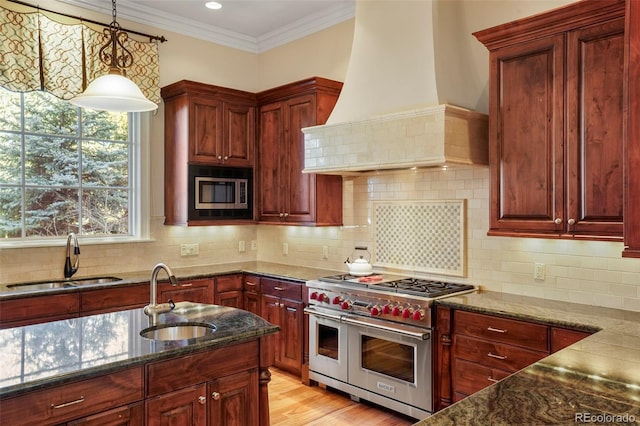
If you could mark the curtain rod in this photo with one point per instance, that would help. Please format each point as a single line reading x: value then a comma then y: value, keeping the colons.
x: 161, y: 39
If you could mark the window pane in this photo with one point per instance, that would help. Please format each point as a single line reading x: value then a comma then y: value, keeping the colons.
x: 10, y: 159
x: 45, y: 113
x: 112, y: 126
x: 105, y: 163
x: 51, y: 161
x: 10, y: 111
x: 51, y: 212
x: 105, y: 211
x: 10, y: 208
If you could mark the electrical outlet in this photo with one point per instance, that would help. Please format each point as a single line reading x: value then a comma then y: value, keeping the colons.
x: 325, y: 252
x: 241, y: 247
x: 539, y: 271
x: 285, y: 248
x: 254, y: 245
x: 189, y: 249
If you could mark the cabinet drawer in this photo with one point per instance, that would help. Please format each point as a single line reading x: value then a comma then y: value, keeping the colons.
x: 496, y: 355
x: 69, y: 401
x: 32, y: 310
x: 470, y: 377
x: 108, y: 299
x: 228, y: 283
x: 513, y: 332
x: 252, y: 283
x: 177, y: 373
x: 285, y: 289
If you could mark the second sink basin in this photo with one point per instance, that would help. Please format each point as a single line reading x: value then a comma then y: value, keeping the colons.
x: 48, y: 285
x: 178, y: 331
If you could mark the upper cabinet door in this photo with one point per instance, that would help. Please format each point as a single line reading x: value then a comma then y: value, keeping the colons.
x: 239, y: 134
x: 595, y: 68
x: 555, y: 123
x: 526, y: 128
x: 205, y: 127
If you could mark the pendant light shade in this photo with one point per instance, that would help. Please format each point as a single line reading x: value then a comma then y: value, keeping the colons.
x: 114, y: 91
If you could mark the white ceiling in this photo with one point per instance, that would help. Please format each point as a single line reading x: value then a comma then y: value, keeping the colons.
x: 251, y: 25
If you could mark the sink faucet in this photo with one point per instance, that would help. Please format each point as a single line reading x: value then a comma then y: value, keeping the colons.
x: 152, y: 309
x: 68, y: 269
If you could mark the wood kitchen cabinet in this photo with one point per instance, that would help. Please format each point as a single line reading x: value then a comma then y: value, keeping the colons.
x: 228, y: 291
x: 220, y: 385
x: 197, y: 291
x: 129, y: 415
x: 205, y: 125
x: 474, y: 350
x: 282, y: 305
x: 98, y: 395
x: 251, y: 285
x: 632, y: 127
x: 556, y: 123
x: 103, y: 300
x: 285, y: 193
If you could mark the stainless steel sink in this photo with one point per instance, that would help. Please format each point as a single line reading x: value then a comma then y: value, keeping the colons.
x: 99, y: 280
x: 39, y: 286
x: 48, y: 285
x: 178, y: 331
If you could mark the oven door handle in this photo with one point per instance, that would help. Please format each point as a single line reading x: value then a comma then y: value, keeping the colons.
x: 405, y: 330
x: 311, y: 311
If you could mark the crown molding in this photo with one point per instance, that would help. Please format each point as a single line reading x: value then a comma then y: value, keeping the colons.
x: 161, y: 20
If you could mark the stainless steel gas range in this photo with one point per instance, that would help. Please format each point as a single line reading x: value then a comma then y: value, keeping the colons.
x: 371, y: 337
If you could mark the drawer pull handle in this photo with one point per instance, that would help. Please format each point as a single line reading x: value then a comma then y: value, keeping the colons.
x: 496, y: 330
x: 66, y: 404
x: 491, y: 379
x: 496, y: 356
x: 248, y: 283
x: 186, y: 285
x: 278, y: 288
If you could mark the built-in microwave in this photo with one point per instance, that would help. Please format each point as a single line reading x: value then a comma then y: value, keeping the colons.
x: 220, y: 192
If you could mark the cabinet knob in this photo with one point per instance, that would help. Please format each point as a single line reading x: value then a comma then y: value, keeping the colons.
x: 226, y: 157
x: 571, y: 221
x: 219, y: 157
x: 202, y: 400
x: 558, y: 221
x: 215, y: 395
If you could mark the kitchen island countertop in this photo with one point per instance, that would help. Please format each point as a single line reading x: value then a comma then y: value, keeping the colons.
x: 57, y: 352
x: 596, y: 380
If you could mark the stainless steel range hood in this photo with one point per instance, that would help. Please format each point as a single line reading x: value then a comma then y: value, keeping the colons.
x: 389, y: 114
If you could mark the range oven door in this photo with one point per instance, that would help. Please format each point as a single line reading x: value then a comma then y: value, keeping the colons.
x: 392, y: 360
x: 327, y: 344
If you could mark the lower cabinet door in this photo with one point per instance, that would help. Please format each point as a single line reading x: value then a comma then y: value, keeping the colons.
x: 184, y: 407
x: 234, y: 400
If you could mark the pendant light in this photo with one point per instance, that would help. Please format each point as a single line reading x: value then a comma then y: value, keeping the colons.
x: 114, y: 91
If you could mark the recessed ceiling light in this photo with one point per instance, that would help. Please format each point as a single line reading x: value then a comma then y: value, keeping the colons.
x: 213, y: 5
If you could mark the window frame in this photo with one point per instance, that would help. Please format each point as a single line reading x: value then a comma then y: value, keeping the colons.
x: 139, y: 134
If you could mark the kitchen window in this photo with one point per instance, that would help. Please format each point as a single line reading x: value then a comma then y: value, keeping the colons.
x: 66, y: 169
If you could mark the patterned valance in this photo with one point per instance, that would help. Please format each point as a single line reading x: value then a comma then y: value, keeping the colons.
x: 38, y: 53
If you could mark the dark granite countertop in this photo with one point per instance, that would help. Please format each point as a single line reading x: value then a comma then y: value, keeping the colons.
x: 596, y: 380
x: 57, y: 352
x: 268, y: 269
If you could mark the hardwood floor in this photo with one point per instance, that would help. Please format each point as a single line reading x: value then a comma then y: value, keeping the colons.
x: 294, y: 404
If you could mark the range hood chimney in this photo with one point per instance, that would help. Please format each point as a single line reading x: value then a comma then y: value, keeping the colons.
x: 389, y: 114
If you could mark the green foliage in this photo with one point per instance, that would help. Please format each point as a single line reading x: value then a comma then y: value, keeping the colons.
x: 62, y: 169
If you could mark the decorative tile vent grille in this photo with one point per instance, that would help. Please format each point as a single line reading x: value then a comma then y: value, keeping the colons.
x: 421, y: 236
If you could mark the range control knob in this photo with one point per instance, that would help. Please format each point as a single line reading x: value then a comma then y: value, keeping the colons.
x: 314, y: 296
x: 418, y: 314
x: 346, y: 304
x: 406, y: 313
x: 375, y: 311
x: 386, y: 309
x: 323, y: 297
x: 396, y: 311
x: 337, y: 300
